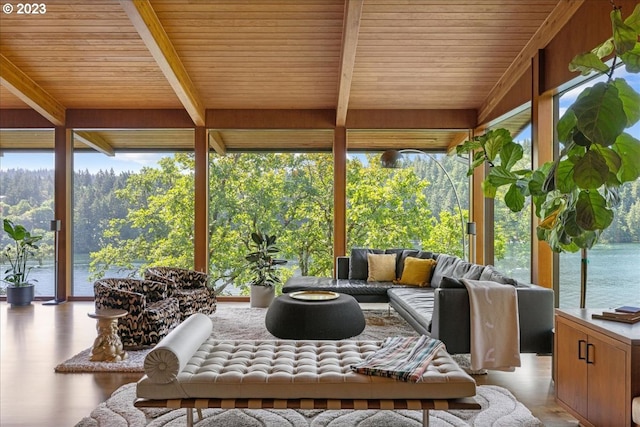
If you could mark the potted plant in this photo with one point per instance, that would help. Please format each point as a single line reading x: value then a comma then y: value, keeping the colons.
x: 20, y: 291
x: 264, y: 268
x: 574, y: 195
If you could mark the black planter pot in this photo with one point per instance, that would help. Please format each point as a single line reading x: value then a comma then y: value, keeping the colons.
x: 20, y: 295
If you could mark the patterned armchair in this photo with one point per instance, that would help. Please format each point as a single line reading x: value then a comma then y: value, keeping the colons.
x: 151, y: 313
x: 188, y: 286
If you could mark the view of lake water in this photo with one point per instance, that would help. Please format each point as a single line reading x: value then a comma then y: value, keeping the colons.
x: 613, y: 277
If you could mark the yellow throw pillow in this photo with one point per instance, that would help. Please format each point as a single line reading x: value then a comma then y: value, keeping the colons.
x: 417, y: 272
x: 382, y: 267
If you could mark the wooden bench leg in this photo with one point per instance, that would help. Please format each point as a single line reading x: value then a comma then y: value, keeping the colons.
x: 425, y: 418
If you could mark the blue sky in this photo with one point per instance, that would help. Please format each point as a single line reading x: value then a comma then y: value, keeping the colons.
x: 91, y: 161
x: 135, y: 161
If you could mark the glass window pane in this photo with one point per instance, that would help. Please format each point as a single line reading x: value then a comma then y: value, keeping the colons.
x: 613, y: 264
x: 289, y: 195
x: 512, y: 238
x: 414, y: 206
x: 26, y: 198
x: 130, y: 210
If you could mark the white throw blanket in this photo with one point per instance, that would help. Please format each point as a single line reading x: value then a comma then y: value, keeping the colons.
x: 495, y: 328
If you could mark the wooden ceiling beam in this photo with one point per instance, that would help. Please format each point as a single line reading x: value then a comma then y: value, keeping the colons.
x: 128, y: 119
x: 557, y: 19
x: 23, y: 86
x: 23, y: 118
x: 95, y: 141
x: 271, y: 119
x: 411, y: 119
x: 217, y: 142
x: 351, y: 29
x: 153, y: 35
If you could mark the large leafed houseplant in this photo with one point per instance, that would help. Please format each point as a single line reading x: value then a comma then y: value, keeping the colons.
x: 574, y: 195
x: 264, y: 268
x: 20, y: 290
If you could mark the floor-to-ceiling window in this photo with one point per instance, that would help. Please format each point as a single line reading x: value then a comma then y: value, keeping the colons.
x: 512, y: 230
x: 413, y: 206
x: 613, y: 264
x: 289, y: 195
x: 130, y: 210
x: 26, y: 198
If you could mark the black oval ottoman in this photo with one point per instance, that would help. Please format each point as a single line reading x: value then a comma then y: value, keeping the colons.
x: 335, y: 319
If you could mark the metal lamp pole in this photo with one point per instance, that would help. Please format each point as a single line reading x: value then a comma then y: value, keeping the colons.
x: 391, y: 159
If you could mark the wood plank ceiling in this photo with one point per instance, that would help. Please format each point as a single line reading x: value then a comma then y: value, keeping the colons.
x: 210, y: 56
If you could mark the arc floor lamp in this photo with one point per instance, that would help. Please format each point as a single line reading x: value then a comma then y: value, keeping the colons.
x: 393, y: 159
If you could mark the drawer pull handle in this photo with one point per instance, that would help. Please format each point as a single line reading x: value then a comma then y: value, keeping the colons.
x: 581, y: 344
x: 590, y: 360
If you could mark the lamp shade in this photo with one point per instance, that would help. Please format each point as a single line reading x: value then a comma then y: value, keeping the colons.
x: 390, y: 159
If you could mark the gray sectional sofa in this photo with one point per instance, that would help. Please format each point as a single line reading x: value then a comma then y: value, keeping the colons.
x: 441, y: 309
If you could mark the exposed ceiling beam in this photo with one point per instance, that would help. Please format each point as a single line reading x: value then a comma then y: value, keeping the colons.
x: 95, y: 141
x: 558, y: 18
x: 146, y: 22
x: 22, y: 86
x: 352, y: 13
x: 128, y: 119
x: 217, y: 142
x: 411, y: 119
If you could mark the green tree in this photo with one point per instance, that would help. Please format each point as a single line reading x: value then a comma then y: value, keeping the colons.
x: 289, y: 195
x: 385, y: 207
x: 159, y: 223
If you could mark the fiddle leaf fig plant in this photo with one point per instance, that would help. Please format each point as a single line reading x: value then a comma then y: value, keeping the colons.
x: 574, y: 195
x: 261, y: 259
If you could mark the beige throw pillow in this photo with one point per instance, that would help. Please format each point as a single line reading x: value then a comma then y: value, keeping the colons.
x: 382, y: 267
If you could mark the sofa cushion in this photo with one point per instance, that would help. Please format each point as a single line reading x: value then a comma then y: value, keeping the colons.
x: 444, y: 267
x: 416, y: 306
x: 451, y: 282
x: 398, y: 253
x: 416, y: 271
x: 466, y: 270
x: 414, y: 253
x: 382, y: 267
x: 492, y: 275
x: 358, y: 265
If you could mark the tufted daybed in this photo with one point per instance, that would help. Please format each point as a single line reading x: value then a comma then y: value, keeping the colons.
x: 189, y: 369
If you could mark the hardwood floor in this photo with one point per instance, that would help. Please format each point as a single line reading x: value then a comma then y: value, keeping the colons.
x: 34, y: 339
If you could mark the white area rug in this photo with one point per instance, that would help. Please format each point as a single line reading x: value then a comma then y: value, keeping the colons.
x: 240, y: 323
x: 499, y: 409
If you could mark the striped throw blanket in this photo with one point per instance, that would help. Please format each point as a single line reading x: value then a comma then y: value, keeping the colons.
x: 402, y: 358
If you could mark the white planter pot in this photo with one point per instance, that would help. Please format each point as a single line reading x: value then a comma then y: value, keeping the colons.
x: 261, y: 296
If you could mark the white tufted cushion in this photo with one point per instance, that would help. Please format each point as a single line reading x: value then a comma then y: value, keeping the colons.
x: 300, y: 369
x: 635, y: 410
x: 171, y: 355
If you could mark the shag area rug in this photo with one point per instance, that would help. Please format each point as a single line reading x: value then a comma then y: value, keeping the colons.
x: 240, y: 323
x: 499, y: 409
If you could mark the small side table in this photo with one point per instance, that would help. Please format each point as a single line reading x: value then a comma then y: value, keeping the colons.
x: 107, y: 347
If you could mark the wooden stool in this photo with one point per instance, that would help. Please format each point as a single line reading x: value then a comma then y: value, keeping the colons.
x: 107, y: 347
